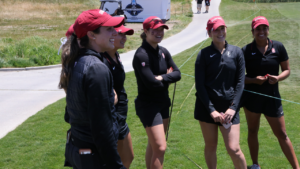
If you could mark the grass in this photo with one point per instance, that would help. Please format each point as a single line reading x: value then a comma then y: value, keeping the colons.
x: 39, y: 142
x: 22, y: 21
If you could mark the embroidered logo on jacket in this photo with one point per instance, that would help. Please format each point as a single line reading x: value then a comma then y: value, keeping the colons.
x: 143, y: 64
x: 228, y: 53
x: 212, y: 55
x: 163, y: 55
x: 273, y: 50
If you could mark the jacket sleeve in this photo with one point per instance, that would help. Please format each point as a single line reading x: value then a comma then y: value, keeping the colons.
x: 142, y: 67
x: 175, y: 75
x: 200, y: 83
x: 97, y: 86
x: 240, y: 80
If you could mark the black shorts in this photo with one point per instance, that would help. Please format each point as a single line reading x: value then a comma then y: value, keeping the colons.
x: 121, y: 110
x: 152, y: 113
x: 262, y: 104
x: 207, y: 3
x: 203, y: 115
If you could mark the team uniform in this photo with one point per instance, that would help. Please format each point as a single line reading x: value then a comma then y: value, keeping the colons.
x: 219, y: 82
x: 258, y: 64
x: 118, y: 74
x: 91, y: 114
x: 153, y: 102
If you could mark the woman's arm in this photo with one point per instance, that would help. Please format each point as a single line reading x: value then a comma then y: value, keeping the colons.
x: 174, y: 75
x: 238, y: 89
x: 285, y: 68
x: 98, y: 88
x: 141, y: 66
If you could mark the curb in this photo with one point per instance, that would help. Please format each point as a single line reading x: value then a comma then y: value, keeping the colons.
x: 29, y: 68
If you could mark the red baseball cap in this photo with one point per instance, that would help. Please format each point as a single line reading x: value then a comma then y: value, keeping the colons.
x: 70, y: 31
x: 153, y: 22
x: 123, y: 29
x: 92, y: 19
x: 214, y: 22
x: 260, y: 20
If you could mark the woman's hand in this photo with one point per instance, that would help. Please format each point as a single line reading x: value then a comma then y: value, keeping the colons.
x: 116, y: 98
x: 160, y: 78
x: 273, y: 79
x: 228, y: 115
x: 260, y: 79
x: 217, y: 116
x: 170, y: 70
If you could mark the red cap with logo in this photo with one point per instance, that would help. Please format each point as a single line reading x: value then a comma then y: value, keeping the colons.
x: 93, y: 19
x: 214, y: 22
x: 153, y: 22
x: 123, y: 29
x: 260, y: 20
x: 70, y: 31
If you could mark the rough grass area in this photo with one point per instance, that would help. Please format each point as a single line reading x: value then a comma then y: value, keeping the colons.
x: 46, y: 20
x: 39, y: 142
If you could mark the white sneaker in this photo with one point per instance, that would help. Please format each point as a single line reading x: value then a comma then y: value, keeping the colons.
x: 255, y: 166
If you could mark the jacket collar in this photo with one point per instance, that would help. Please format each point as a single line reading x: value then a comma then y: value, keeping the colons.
x: 270, y: 46
x: 85, y: 52
x: 147, y: 46
x: 110, y: 60
x: 213, y: 46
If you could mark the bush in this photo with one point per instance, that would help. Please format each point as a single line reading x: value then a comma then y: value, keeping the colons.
x: 32, y: 51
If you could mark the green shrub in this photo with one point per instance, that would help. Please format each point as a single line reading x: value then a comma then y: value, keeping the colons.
x: 20, y: 62
x: 32, y: 51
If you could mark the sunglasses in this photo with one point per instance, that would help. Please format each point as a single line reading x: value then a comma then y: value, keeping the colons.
x: 156, y: 21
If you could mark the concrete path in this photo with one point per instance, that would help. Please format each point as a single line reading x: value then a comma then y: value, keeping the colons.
x: 24, y: 93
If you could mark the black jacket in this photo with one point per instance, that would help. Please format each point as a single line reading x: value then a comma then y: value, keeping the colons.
x: 219, y: 76
x: 118, y: 73
x: 148, y: 63
x: 90, y: 100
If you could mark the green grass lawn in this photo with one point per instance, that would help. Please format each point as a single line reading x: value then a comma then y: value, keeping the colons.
x: 39, y: 142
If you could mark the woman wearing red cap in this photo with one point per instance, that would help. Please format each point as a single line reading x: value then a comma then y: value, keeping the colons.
x: 92, y: 139
x: 219, y: 78
x: 154, y: 70
x: 113, y: 62
x: 263, y: 57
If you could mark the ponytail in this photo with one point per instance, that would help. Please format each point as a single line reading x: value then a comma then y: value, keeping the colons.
x: 143, y: 36
x: 70, y: 52
x: 68, y: 56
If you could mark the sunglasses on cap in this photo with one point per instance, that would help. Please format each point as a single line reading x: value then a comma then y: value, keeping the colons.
x: 156, y: 21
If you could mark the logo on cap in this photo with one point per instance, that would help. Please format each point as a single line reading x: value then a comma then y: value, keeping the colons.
x: 120, y: 30
x: 101, y: 12
x: 259, y: 18
x: 215, y: 19
x: 143, y: 64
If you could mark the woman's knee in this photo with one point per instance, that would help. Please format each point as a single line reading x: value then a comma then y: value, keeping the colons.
x: 281, y: 135
x: 253, y: 130
x: 211, y: 146
x: 160, y: 150
x: 234, y: 151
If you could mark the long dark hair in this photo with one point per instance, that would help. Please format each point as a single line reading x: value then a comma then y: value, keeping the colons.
x: 70, y: 52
